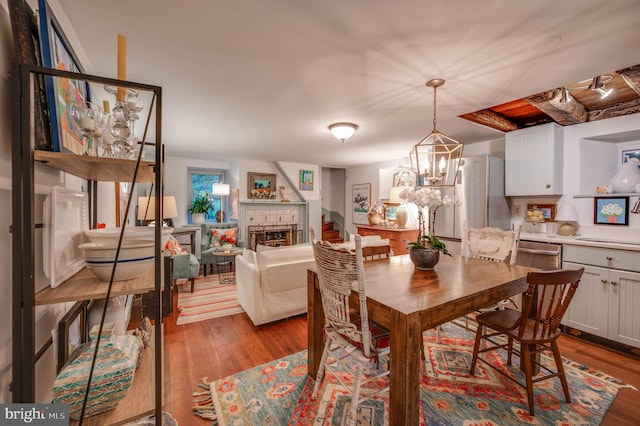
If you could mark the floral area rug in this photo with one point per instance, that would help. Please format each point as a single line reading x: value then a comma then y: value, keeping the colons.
x: 210, y: 299
x: 279, y: 393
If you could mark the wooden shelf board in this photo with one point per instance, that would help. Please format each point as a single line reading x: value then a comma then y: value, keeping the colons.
x: 139, y: 401
x: 85, y: 286
x: 97, y: 168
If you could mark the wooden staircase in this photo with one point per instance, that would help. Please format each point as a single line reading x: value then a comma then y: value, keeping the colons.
x: 330, y: 234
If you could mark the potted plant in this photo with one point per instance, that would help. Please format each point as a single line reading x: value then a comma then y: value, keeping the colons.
x: 425, y: 251
x: 199, y: 208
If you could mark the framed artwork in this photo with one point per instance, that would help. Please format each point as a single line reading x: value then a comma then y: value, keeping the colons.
x: 548, y: 211
x: 62, y: 93
x: 261, y: 186
x: 306, y: 180
x: 390, y: 210
x: 611, y: 210
x: 360, y: 200
x: 630, y: 153
x: 73, y: 331
x: 404, y: 178
x: 24, y: 27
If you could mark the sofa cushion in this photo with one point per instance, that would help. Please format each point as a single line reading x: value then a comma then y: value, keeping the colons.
x: 249, y: 256
x: 284, y: 255
x: 218, y: 237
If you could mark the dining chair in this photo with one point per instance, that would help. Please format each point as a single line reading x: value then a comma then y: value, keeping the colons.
x: 536, y: 333
x: 495, y: 245
x: 353, y: 341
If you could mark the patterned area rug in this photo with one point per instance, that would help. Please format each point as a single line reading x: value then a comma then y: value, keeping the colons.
x: 279, y: 393
x: 210, y: 299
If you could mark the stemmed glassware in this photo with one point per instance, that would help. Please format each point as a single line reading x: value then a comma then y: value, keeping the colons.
x: 89, y: 118
x: 120, y: 124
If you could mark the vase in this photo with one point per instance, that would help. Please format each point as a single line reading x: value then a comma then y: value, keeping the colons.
x: 402, y: 217
x: 374, y: 219
x: 424, y: 259
x: 197, y: 218
x: 226, y: 248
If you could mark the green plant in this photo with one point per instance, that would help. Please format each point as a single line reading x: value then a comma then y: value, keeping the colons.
x: 201, y: 205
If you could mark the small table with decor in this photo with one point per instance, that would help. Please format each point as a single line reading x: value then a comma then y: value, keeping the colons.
x: 225, y: 265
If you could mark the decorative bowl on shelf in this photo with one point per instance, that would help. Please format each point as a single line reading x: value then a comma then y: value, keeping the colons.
x: 136, y: 257
x: 112, y: 234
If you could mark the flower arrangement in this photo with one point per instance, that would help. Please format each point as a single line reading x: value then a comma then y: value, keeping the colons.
x: 428, y: 202
x: 375, y: 208
x: 225, y: 239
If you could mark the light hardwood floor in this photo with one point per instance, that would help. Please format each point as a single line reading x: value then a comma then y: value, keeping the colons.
x: 219, y: 347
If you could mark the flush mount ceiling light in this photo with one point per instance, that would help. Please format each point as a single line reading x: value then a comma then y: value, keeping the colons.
x: 343, y: 131
x: 436, y: 158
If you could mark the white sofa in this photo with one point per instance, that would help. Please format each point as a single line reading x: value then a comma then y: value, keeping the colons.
x: 272, y: 283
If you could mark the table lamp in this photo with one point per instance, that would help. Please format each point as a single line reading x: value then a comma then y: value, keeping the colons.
x: 401, y: 213
x: 220, y: 190
x: 567, y: 219
x: 147, y: 209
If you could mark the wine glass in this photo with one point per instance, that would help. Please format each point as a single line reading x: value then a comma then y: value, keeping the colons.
x: 89, y: 118
x: 135, y: 106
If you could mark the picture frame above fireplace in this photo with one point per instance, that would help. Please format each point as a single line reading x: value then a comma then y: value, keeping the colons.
x: 261, y: 186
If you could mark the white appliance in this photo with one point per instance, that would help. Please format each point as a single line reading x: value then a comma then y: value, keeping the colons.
x: 480, y: 187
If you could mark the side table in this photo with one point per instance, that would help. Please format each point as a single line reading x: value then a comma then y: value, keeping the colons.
x: 225, y: 264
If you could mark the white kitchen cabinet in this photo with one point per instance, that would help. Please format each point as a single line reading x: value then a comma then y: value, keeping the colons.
x: 606, y: 301
x: 533, y: 161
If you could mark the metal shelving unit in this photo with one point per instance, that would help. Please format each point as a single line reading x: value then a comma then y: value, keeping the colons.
x: 84, y: 285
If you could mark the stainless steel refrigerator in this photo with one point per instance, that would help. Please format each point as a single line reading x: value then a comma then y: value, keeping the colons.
x: 480, y: 187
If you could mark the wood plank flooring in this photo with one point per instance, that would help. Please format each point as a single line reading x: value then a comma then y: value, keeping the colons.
x: 222, y: 346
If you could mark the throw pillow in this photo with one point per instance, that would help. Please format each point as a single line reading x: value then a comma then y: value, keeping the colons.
x: 223, y: 236
x: 174, y: 247
x: 249, y: 255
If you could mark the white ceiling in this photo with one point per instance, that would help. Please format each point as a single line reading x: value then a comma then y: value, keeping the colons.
x: 262, y: 79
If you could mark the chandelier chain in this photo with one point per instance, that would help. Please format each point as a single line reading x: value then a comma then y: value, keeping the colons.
x: 434, y: 108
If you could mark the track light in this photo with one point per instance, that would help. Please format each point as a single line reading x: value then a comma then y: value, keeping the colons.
x: 598, y: 85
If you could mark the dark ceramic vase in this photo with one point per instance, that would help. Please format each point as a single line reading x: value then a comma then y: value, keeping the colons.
x: 424, y: 259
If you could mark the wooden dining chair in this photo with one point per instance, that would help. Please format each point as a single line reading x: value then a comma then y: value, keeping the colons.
x: 351, y: 339
x: 554, y: 291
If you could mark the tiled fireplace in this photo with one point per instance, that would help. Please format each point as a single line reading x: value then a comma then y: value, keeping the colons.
x: 273, y: 215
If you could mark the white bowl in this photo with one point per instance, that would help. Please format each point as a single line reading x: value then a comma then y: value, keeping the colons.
x: 130, y: 233
x: 136, y: 257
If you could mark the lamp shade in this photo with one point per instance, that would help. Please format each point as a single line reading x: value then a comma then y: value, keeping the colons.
x: 567, y: 213
x: 147, y: 207
x: 220, y: 189
x: 394, y: 194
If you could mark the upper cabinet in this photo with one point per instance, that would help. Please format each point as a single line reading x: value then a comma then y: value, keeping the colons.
x: 533, y: 161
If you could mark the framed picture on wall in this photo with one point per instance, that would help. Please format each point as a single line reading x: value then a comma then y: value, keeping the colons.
x: 360, y: 201
x: 62, y: 93
x: 306, y: 180
x: 261, y: 186
x: 390, y: 211
x: 611, y: 210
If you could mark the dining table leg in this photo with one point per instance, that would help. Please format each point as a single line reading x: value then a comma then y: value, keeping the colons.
x: 404, y: 387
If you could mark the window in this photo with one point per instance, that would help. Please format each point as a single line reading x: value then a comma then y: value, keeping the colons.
x: 201, y: 182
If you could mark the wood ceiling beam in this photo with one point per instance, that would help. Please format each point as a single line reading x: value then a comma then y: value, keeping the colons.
x: 617, y: 110
x: 631, y: 76
x: 563, y: 113
x: 491, y: 119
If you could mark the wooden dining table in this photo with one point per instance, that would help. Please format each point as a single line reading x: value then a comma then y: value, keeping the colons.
x: 409, y: 301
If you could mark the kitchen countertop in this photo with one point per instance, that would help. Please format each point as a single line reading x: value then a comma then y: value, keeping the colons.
x: 583, y: 240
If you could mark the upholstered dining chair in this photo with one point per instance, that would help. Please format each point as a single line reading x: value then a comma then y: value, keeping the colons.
x: 352, y: 340
x: 492, y: 244
x: 554, y: 291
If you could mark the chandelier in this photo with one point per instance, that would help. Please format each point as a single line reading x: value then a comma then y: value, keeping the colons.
x: 435, y: 159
